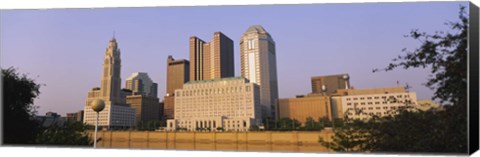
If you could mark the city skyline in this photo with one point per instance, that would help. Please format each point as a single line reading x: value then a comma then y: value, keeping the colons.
x: 154, y: 45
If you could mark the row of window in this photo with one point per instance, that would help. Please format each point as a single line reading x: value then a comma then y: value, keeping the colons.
x: 371, y: 103
x: 214, y: 84
x: 377, y: 97
x: 212, y: 91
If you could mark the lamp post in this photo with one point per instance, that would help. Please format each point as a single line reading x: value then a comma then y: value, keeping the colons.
x: 97, y: 106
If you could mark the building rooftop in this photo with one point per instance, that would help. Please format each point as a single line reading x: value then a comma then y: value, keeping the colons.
x: 215, y: 80
x: 336, y: 75
x: 371, y: 91
x: 256, y: 28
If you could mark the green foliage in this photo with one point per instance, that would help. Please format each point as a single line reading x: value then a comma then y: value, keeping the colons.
x: 311, y: 125
x: 287, y: 124
x: 254, y: 128
x: 19, y: 91
x: 446, y: 54
x: 148, y: 126
x: 220, y: 129
x: 443, y: 131
x: 348, y: 138
x: 69, y: 133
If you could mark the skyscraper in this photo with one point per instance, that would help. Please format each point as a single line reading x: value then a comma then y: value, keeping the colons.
x: 110, y: 85
x: 116, y: 113
x: 211, y: 60
x: 140, y: 83
x: 259, y: 65
x: 177, y: 75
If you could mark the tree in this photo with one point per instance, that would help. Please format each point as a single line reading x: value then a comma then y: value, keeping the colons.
x: 68, y: 133
x: 19, y: 91
x: 312, y: 125
x: 287, y: 124
x: 348, y: 138
x: 446, y: 54
x: 421, y: 131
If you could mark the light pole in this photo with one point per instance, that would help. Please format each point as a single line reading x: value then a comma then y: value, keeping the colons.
x: 97, y: 106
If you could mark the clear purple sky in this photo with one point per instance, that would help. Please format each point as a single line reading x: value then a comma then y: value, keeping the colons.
x: 64, y: 48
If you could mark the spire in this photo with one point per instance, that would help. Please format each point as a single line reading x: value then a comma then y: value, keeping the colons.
x: 113, y: 37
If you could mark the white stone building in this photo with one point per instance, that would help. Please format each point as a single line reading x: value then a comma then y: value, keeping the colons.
x: 363, y: 103
x: 229, y: 103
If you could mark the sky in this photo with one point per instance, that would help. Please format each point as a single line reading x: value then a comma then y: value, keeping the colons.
x: 64, y: 48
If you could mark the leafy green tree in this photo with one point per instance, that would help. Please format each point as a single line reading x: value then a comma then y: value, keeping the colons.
x: 68, y: 133
x: 324, y: 122
x: 254, y: 128
x: 312, y: 125
x: 349, y: 138
x: 287, y: 124
x: 19, y: 91
x: 442, y: 131
x: 446, y: 54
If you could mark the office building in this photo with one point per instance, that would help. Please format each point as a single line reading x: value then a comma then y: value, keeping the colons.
x: 364, y: 103
x: 331, y: 82
x: 229, y: 103
x: 50, y: 119
x: 146, y: 108
x: 140, y: 83
x: 211, y: 60
x: 303, y: 107
x: 177, y: 74
x: 259, y: 65
x: 116, y: 112
x: 77, y: 116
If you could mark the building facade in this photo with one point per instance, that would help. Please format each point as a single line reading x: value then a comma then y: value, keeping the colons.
x: 229, y: 103
x: 364, y: 103
x: 212, y: 60
x: 331, y: 82
x: 116, y: 112
x: 259, y: 65
x: 301, y: 108
x: 140, y: 83
x: 77, y: 116
x: 146, y: 108
x: 177, y: 74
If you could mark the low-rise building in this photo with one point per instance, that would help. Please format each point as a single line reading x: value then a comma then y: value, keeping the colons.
x: 303, y: 107
x: 77, y: 116
x: 364, y: 103
x: 232, y: 104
